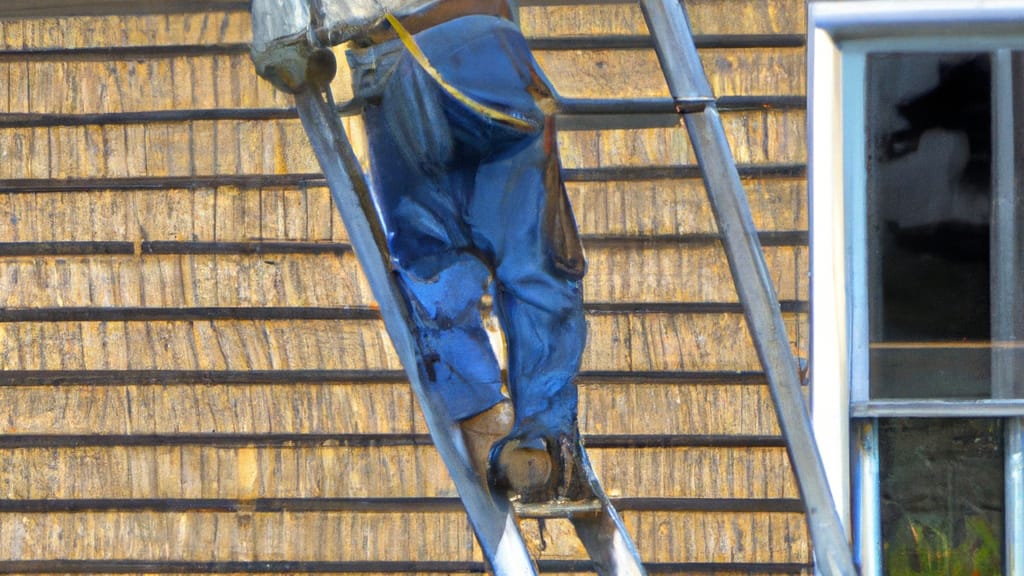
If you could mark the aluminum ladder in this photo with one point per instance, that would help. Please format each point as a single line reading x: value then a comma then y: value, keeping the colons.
x: 493, y: 517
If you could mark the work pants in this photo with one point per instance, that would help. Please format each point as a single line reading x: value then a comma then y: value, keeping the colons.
x: 462, y: 197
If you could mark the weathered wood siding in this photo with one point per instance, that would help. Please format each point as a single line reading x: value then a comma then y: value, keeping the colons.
x: 194, y: 377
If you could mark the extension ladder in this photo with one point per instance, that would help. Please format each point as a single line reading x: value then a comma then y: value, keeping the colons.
x: 494, y: 519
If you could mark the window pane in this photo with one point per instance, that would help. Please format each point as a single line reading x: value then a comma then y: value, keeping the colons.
x: 942, y: 496
x: 929, y: 209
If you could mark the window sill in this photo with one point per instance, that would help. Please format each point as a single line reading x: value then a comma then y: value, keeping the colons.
x: 924, y: 408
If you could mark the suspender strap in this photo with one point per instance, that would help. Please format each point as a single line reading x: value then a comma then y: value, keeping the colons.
x: 414, y: 49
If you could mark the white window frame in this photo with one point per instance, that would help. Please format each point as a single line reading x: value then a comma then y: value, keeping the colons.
x: 840, y: 34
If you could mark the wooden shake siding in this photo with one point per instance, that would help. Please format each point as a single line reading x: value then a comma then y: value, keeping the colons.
x: 193, y: 376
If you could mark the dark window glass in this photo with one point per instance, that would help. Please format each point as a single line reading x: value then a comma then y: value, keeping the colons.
x: 929, y: 122
x: 942, y: 496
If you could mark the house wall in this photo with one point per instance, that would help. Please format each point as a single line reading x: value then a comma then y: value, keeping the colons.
x: 193, y: 375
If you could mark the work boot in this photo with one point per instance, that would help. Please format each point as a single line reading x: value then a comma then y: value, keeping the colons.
x: 540, y: 469
x: 481, y: 432
x: 525, y: 468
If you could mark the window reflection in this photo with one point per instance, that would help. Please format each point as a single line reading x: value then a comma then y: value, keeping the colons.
x: 929, y: 197
x: 942, y: 496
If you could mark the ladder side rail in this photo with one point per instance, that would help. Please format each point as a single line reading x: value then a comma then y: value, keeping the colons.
x: 764, y: 320
x: 491, y: 518
x: 688, y: 84
x: 605, y: 536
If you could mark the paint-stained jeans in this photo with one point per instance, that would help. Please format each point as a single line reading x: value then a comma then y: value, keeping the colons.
x: 462, y: 198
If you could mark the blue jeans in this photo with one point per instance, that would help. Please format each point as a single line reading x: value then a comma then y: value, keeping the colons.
x: 462, y: 199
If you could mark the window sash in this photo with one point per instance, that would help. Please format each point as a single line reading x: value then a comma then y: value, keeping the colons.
x: 1008, y: 225
x: 867, y: 498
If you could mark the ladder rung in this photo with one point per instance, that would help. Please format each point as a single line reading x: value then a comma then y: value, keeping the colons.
x: 666, y: 105
x: 558, y: 509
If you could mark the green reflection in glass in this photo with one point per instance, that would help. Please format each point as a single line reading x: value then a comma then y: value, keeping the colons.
x: 942, y: 496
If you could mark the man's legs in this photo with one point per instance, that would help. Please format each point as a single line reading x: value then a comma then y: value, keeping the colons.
x: 442, y: 281
x: 454, y: 187
x: 454, y: 346
x: 541, y: 312
x: 503, y: 208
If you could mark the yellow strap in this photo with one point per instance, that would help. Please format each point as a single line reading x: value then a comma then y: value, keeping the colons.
x: 421, y: 59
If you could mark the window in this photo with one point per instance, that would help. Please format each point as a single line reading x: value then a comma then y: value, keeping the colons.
x: 917, y: 290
